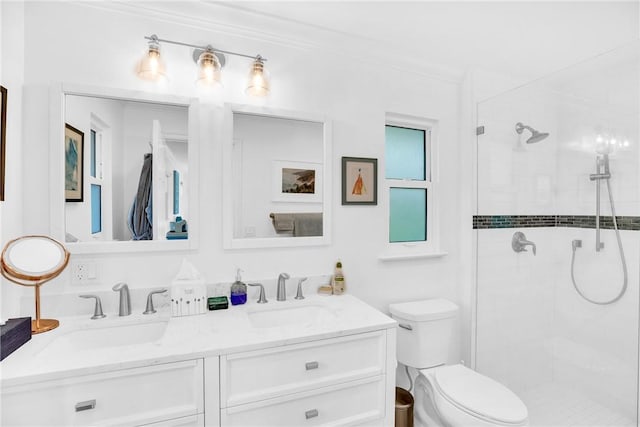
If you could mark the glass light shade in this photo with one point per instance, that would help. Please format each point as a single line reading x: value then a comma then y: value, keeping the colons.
x: 259, y: 82
x: 151, y: 67
x: 209, y: 69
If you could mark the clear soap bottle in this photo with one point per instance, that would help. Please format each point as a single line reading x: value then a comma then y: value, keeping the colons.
x: 238, y: 291
x: 339, y: 285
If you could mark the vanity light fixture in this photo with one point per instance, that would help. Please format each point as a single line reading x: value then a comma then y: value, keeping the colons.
x: 210, y: 62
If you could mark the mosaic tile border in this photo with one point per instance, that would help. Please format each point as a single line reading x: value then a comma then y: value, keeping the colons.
x: 571, y: 221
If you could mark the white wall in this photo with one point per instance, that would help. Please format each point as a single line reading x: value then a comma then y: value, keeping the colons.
x: 354, y: 95
x: 12, y: 77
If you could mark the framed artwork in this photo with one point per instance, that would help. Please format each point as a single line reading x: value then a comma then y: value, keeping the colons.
x: 73, y: 164
x: 3, y: 138
x: 296, y: 182
x: 359, y: 181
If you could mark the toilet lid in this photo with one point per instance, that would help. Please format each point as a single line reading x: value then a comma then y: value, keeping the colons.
x: 480, y: 395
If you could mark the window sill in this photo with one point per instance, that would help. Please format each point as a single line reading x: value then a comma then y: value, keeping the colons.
x: 402, y: 257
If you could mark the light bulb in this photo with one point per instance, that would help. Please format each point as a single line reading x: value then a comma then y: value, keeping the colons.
x: 209, y: 69
x: 151, y: 67
x: 258, y: 84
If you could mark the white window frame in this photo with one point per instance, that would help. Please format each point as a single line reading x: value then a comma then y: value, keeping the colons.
x: 431, y: 247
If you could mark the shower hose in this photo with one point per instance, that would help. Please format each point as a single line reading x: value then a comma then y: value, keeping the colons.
x: 622, y: 259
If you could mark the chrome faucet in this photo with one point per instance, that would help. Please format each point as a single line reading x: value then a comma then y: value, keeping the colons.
x: 299, y: 293
x: 97, y: 310
x: 125, y: 301
x: 519, y: 241
x: 149, y: 309
x: 282, y: 290
x: 261, y: 299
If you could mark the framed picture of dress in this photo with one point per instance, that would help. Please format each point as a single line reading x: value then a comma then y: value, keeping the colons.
x: 73, y: 164
x: 359, y: 181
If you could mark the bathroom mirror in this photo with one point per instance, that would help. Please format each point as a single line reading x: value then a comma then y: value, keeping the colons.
x: 276, y: 178
x: 123, y: 170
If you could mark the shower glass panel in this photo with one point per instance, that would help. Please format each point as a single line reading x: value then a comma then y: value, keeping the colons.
x: 571, y: 361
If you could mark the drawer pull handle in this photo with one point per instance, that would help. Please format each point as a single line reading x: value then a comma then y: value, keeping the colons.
x: 407, y: 327
x: 311, y: 414
x: 86, y: 405
x: 311, y: 365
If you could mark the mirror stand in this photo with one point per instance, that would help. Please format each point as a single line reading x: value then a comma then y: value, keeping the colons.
x: 33, y: 261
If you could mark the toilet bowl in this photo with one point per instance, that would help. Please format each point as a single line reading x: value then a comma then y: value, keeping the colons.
x: 448, y: 395
x: 455, y: 395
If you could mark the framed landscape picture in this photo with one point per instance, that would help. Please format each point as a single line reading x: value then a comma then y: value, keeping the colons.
x: 73, y: 158
x: 297, y: 181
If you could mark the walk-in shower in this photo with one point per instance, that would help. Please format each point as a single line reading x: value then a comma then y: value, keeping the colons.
x: 603, y: 172
x: 570, y: 352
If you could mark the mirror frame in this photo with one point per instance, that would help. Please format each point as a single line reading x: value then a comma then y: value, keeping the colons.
x: 57, y: 96
x: 231, y: 242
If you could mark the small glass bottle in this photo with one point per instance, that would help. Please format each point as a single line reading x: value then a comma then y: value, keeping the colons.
x: 238, y: 291
x: 339, y: 285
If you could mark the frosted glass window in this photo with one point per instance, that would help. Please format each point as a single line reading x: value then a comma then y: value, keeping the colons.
x: 408, y: 215
x: 405, y: 151
x: 93, y: 153
x: 96, y: 208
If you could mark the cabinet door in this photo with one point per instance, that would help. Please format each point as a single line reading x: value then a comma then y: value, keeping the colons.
x: 262, y: 374
x: 126, y: 397
x: 353, y: 403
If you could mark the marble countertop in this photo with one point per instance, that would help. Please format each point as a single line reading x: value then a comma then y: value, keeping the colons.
x: 212, y: 334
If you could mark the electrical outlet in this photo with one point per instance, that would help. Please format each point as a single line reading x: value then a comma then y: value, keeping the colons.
x: 85, y: 271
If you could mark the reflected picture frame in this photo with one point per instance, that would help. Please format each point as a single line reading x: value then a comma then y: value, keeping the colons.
x: 3, y: 139
x: 359, y: 181
x: 73, y: 164
x: 298, y: 182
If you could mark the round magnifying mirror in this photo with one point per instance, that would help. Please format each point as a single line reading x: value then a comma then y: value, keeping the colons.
x: 33, y: 261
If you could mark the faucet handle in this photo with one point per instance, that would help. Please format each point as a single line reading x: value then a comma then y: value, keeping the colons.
x: 149, y: 309
x: 97, y: 311
x: 299, y: 292
x: 261, y: 299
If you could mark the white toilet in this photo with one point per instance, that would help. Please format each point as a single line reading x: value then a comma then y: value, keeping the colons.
x: 448, y: 395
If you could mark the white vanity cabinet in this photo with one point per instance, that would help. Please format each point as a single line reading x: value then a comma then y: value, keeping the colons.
x: 169, y: 394
x: 337, y: 381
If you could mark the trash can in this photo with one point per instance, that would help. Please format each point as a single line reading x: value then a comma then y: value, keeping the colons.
x: 404, y: 408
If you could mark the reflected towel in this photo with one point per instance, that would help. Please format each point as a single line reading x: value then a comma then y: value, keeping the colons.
x: 307, y: 224
x: 282, y: 222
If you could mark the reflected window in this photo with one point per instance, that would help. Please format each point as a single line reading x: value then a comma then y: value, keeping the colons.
x: 96, y: 208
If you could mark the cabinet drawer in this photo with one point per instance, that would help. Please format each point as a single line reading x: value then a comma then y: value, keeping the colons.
x: 352, y: 403
x: 251, y: 376
x: 125, y: 397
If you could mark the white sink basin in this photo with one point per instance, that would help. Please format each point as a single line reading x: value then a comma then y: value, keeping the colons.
x: 109, y: 336
x: 290, y: 315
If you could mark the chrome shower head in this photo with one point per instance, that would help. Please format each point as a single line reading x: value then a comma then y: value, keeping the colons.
x: 535, y: 135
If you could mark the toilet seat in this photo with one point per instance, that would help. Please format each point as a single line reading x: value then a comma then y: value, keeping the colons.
x: 479, y: 396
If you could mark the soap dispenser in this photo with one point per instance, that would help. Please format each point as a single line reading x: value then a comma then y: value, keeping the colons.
x: 238, y: 290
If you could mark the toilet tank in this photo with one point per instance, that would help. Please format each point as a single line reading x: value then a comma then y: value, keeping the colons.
x: 427, y: 333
